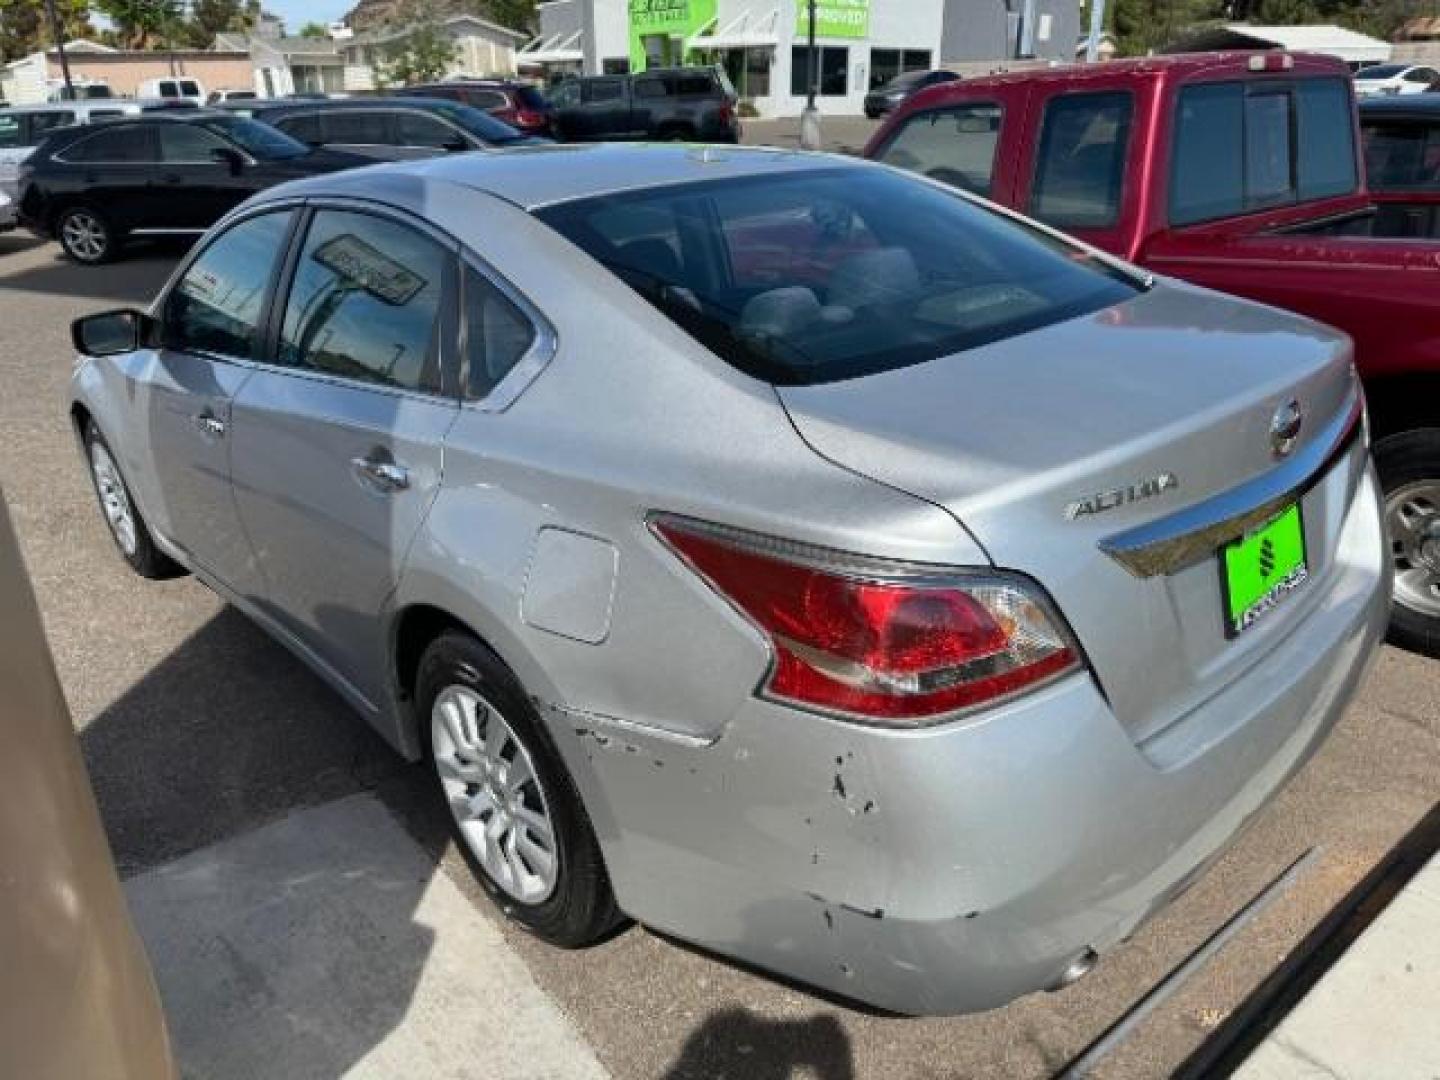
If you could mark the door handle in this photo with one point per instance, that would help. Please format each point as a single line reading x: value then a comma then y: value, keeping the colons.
x: 385, y: 477
x: 210, y: 425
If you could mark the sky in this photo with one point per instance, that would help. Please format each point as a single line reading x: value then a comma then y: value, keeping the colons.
x: 297, y: 13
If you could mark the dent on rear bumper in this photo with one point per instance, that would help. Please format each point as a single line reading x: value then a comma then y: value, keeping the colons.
x: 952, y: 869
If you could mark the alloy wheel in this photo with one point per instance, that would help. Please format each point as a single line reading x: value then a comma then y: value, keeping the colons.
x: 494, y: 794
x: 114, y: 499
x: 84, y: 235
x: 1413, y: 514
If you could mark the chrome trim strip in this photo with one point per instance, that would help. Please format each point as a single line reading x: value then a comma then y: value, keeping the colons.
x: 1183, y: 539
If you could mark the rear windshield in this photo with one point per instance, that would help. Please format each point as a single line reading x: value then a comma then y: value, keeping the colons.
x: 817, y: 276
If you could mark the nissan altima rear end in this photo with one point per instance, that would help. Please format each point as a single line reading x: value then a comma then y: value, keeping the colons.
x: 848, y: 576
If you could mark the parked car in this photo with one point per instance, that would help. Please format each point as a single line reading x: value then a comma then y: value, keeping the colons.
x: 188, y: 89
x: 24, y: 127
x: 80, y: 1000
x: 1238, y: 172
x: 892, y: 94
x: 78, y: 90
x: 1393, y: 79
x: 93, y: 188
x: 694, y: 104
x: 221, y: 97
x: 910, y: 604
x: 1401, y: 141
x: 518, y: 104
x: 390, y: 128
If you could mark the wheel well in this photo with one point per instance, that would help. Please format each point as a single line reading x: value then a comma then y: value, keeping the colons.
x: 80, y: 417
x: 416, y: 628
x: 1403, y: 403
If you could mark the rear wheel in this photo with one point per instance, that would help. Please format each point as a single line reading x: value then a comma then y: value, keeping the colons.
x: 514, y: 810
x: 1409, y: 467
x: 85, y: 235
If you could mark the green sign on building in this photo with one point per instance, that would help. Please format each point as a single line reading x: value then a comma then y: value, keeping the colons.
x: 833, y: 18
x: 660, y: 28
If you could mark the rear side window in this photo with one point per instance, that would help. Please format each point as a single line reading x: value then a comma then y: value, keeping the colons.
x: 359, y: 128
x: 217, y: 306
x: 1400, y: 155
x: 42, y: 122
x: 130, y: 143
x: 1080, y: 167
x: 484, y: 99
x: 189, y: 88
x: 168, y: 89
x: 497, y: 334
x: 599, y: 90
x: 696, y: 83
x: 418, y: 129
x: 1241, y: 147
x: 872, y: 269
x: 366, y: 302
x: 187, y: 144
x: 955, y: 146
x: 651, y: 88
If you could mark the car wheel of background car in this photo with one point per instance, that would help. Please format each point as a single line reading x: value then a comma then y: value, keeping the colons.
x: 1409, y: 467
x: 515, y: 812
x: 677, y: 133
x: 127, y: 527
x: 85, y: 235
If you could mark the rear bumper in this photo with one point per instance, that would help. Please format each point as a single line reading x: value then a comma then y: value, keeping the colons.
x: 952, y: 869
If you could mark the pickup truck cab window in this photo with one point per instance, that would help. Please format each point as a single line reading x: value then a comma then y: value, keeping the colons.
x: 1080, y: 167
x: 954, y: 145
x: 1247, y: 146
x: 598, y: 90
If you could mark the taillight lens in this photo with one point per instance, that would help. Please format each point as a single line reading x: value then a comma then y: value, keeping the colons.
x: 859, y: 637
x: 524, y: 118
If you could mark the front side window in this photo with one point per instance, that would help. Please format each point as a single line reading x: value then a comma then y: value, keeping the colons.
x: 497, y: 334
x: 127, y: 144
x: 882, y: 270
x: 169, y: 90
x: 695, y: 83
x: 417, y: 129
x: 366, y: 301
x: 217, y: 306
x: 955, y: 146
x: 185, y: 144
x: 653, y: 87
x: 356, y: 128
x: 598, y: 91
x: 1080, y: 166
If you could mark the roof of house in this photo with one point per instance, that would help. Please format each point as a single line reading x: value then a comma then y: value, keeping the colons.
x: 379, y: 37
x: 1332, y: 40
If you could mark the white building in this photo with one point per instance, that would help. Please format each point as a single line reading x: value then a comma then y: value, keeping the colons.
x: 762, y: 43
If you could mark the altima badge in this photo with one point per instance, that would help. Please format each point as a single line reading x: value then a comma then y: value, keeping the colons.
x: 1285, y: 428
x: 1101, y: 501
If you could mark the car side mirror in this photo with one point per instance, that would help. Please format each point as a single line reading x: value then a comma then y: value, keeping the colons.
x: 228, y: 155
x: 110, y: 333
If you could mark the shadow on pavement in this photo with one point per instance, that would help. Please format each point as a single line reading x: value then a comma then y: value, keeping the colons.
x: 738, y: 1043
x: 228, y: 731
x: 135, y: 278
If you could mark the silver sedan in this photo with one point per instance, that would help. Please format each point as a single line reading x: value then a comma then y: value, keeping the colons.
x: 780, y: 550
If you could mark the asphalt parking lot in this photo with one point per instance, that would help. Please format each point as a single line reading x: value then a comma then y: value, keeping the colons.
x: 197, y: 728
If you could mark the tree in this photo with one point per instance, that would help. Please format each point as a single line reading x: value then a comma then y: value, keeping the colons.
x: 516, y: 14
x: 426, y: 50
x: 143, y: 24
x: 314, y: 30
x: 25, y: 28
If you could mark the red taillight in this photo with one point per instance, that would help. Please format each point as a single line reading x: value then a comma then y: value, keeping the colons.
x: 526, y: 119
x: 859, y: 637
x: 727, y: 113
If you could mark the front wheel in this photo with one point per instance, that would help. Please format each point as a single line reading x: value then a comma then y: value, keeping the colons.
x: 85, y: 235
x: 515, y: 812
x: 127, y: 526
x: 1409, y: 468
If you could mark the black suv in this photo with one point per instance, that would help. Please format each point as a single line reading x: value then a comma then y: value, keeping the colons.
x: 694, y: 104
x: 390, y: 128
x: 94, y: 186
x: 518, y: 104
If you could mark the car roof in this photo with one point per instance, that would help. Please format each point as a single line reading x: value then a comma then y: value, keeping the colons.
x: 73, y: 106
x: 390, y: 101
x: 531, y: 177
x: 1420, y: 106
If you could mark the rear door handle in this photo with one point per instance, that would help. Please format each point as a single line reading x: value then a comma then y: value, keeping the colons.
x: 385, y: 477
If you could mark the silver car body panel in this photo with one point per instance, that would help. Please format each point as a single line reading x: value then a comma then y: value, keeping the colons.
x: 942, y: 869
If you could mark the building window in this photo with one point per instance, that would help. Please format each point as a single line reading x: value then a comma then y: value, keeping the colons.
x: 885, y: 64
x: 749, y: 71
x: 834, y: 70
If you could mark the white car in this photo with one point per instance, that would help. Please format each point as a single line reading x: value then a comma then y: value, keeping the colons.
x: 1390, y: 79
x: 172, y: 89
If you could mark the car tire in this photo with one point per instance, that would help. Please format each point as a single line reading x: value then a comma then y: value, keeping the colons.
x: 1409, y: 468
x: 677, y: 133
x: 85, y: 236
x: 127, y: 525
x: 513, y: 809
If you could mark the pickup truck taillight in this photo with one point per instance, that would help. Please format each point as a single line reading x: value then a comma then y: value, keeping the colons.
x: 874, y: 641
x: 526, y: 118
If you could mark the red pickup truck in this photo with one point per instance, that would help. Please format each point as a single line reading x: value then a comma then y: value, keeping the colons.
x: 1237, y: 171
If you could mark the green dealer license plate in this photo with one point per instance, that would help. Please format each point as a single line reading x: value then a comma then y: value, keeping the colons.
x: 1262, y: 568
